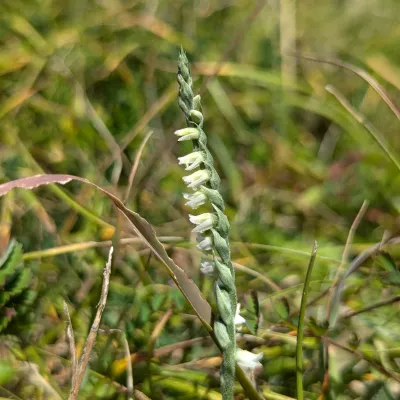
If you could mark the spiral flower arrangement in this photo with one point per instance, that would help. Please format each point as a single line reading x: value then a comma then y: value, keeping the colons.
x: 212, y: 229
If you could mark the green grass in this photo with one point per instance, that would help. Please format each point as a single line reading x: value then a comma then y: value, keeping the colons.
x: 295, y: 163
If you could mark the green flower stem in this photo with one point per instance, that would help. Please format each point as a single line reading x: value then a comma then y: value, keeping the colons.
x: 225, y: 290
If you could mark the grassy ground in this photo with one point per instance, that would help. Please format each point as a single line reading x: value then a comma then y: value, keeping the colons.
x: 82, y: 85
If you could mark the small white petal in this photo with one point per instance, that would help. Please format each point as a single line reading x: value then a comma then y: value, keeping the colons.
x: 204, y: 221
x: 249, y: 360
x: 199, y: 219
x: 239, y: 320
x: 196, y: 179
x: 207, y: 268
x: 196, y: 199
x: 205, y: 243
x: 187, y: 134
x: 192, y: 160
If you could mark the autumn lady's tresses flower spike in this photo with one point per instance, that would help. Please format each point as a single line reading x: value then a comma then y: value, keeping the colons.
x: 213, y: 225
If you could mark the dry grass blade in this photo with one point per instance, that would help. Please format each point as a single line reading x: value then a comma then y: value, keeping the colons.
x: 152, y: 23
x: 350, y: 237
x: 71, y: 342
x: 333, y: 303
x: 288, y: 39
x: 159, y: 327
x: 129, y: 373
x: 15, y: 101
x: 150, y: 346
x: 345, y: 257
x: 241, y: 33
x: 364, y: 256
x: 119, y: 366
x: 362, y: 74
x: 32, y: 373
x: 71, y: 248
x: 166, y: 98
x: 358, y: 262
x: 372, y: 307
x: 156, y: 332
x: 256, y: 274
x: 79, y: 371
x: 360, y: 355
x: 108, y: 137
x: 136, y: 165
x: 362, y: 120
x: 300, y: 328
x: 96, y: 121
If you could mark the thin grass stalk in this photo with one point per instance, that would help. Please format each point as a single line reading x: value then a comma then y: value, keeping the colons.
x: 332, y: 307
x: 300, y: 327
x: 80, y: 368
x: 362, y: 74
x: 360, y: 118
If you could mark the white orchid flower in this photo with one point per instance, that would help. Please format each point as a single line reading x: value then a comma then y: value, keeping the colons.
x: 205, y: 243
x: 187, y: 134
x: 204, y: 221
x: 192, y: 160
x: 207, y: 268
x: 196, y: 199
x: 247, y: 359
x: 196, y: 179
x: 239, y: 320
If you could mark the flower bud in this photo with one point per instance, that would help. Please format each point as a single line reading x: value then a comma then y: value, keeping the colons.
x: 187, y: 134
x: 196, y: 117
x: 221, y: 334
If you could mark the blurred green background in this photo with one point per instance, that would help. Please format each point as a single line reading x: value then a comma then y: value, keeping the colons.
x: 82, y: 85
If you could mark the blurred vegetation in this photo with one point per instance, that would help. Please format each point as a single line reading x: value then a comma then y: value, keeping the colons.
x: 81, y: 85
